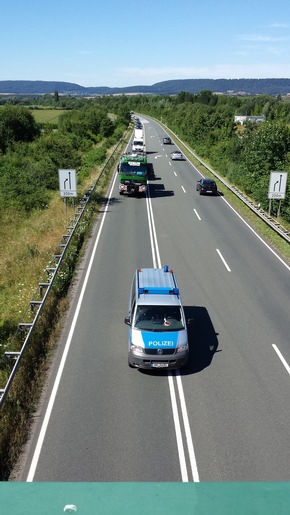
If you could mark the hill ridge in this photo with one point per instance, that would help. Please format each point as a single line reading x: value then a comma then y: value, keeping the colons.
x: 169, y: 87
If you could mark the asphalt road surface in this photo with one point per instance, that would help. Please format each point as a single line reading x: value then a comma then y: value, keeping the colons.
x: 225, y: 417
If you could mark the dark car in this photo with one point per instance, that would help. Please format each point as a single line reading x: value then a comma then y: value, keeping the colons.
x: 206, y: 187
x: 166, y: 140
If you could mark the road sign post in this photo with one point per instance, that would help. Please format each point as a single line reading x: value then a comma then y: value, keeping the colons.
x: 277, y: 188
x: 67, y: 183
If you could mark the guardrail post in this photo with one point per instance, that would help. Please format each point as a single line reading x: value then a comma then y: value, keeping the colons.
x: 42, y: 286
x: 46, y: 285
x: 12, y: 354
x: 35, y: 303
x: 24, y: 326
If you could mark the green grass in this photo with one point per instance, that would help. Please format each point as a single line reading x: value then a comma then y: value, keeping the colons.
x: 47, y: 115
x: 27, y: 248
x: 276, y: 241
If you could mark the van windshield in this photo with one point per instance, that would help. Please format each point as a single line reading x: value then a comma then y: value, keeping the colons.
x: 159, y: 318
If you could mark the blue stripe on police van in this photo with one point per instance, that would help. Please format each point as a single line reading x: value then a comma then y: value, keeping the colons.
x: 156, y: 340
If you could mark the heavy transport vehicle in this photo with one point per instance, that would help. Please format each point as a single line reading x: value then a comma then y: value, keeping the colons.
x: 138, y: 144
x: 133, y: 174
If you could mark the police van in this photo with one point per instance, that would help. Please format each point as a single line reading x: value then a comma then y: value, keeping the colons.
x: 157, y: 333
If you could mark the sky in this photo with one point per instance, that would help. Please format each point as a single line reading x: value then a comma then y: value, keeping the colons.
x: 119, y: 43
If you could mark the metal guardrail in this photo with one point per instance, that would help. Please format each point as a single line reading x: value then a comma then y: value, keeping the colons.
x: 37, y: 303
x: 272, y: 222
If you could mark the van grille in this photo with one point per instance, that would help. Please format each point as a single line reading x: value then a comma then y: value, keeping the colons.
x: 153, y: 352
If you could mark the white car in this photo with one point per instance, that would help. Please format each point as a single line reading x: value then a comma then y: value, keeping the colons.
x: 176, y: 155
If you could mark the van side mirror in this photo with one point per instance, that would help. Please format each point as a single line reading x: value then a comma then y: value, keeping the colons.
x: 190, y: 321
x: 127, y: 321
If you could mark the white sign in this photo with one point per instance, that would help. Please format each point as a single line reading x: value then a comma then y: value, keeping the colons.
x: 277, y: 186
x: 67, y: 183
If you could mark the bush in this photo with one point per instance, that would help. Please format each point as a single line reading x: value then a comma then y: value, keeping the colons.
x: 16, y: 124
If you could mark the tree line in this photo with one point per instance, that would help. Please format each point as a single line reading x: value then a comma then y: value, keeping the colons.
x: 244, y: 155
x: 31, y: 153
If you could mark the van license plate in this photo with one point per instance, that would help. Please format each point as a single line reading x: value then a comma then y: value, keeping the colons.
x: 160, y: 365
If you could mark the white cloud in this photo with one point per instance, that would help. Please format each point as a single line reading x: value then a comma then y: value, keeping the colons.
x: 85, y: 52
x: 279, y: 26
x: 276, y: 51
x: 258, y: 38
x: 149, y: 76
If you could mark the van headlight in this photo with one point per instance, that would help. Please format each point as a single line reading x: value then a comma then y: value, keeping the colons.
x: 136, y: 349
x: 182, y: 348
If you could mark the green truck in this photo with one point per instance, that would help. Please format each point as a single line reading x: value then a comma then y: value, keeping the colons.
x: 133, y: 174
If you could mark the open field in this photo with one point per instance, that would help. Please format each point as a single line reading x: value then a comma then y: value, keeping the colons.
x: 47, y: 115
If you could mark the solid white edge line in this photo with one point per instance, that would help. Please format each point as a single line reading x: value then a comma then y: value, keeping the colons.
x: 223, y: 260
x: 178, y: 434
x: 283, y: 360
x: 180, y: 447
x: 150, y: 231
x: 248, y: 225
x: 46, y: 419
x: 154, y: 233
x: 256, y: 234
x: 187, y: 429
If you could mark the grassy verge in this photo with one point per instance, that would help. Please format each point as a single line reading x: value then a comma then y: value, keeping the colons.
x: 280, y: 245
x: 28, y: 246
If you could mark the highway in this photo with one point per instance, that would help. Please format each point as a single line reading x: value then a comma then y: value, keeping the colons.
x: 225, y: 417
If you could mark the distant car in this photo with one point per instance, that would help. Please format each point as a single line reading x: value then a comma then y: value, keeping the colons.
x: 176, y: 155
x: 206, y: 187
x: 166, y: 140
